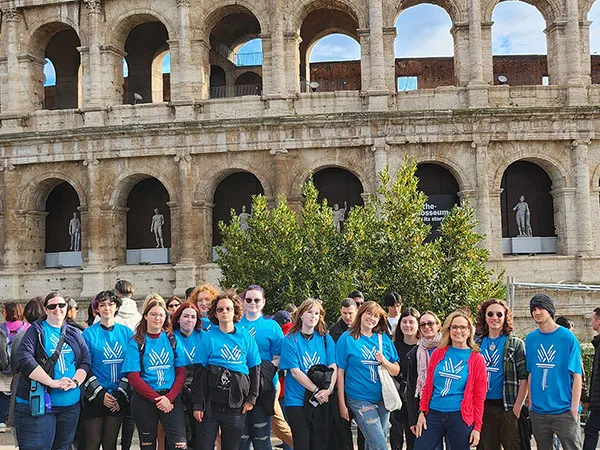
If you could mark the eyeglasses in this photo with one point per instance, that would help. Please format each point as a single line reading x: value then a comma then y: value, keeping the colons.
x: 427, y: 324
x: 461, y: 328
x: 157, y: 315
x: 221, y: 309
x: 53, y: 306
x: 372, y: 315
x: 255, y: 300
x: 499, y: 314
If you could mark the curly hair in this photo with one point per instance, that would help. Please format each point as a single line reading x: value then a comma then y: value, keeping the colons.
x: 307, y: 305
x: 374, y: 308
x: 237, y: 307
x: 208, y: 289
x: 447, y: 340
x: 177, y: 315
x: 482, y: 326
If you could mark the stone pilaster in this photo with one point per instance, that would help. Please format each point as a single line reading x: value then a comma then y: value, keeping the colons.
x: 267, y: 67
x: 92, y: 71
x: 186, y: 72
x: 576, y: 93
x: 389, y: 38
x: 281, y: 162
x: 557, y: 49
x: 460, y: 33
x: 377, y: 65
x: 580, y: 167
x: 203, y: 214
x: 565, y: 221
x: 584, y: 38
x: 365, y: 59
x: 277, y: 58
x: 482, y: 194
x: 14, y: 94
x: 487, y: 59
x: 380, y: 150
x: 112, y: 74
x: 475, y: 43
x: 185, y: 239
x: 495, y: 223
x: 201, y: 50
x: 93, y: 228
x: 292, y: 62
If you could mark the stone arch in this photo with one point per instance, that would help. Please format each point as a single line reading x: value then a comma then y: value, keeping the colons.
x: 594, y: 178
x: 551, y: 10
x: 452, y: 166
x: 299, y: 10
x: 36, y: 192
x: 147, y: 198
x: 219, y: 11
x: 42, y: 30
x: 326, y: 163
x: 457, y: 10
x: 126, y: 182
x: 552, y: 166
x: 205, y: 192
x: 129, y: 19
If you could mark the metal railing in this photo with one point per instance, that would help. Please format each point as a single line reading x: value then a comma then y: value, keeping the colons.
x: 235, y: 91
x: 237, y: 59
x: 512, y: 285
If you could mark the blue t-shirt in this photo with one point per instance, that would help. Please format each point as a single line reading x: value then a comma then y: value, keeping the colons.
x: 551, y: 359
x: 190, y: 345
x: 449, y: 380
x: 492, y: 351
x: 107, y: 352
x: 206, y: 323
x: 357, y: 358
x: 300, y: 353
x: 268, y: 336
x: 64, y: 367
x: 159, y: 361
x: 235, y: 351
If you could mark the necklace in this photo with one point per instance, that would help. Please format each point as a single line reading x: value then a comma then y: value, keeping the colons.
x: 492, y: 345
x: 308, y: 337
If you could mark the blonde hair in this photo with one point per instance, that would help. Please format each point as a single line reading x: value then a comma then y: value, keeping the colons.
x: 447, y: 340
x: 372, y: 307
x: 307, y: 305
x: 151, y: 297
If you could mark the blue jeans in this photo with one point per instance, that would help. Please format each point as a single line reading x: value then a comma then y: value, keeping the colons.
x: 373, y: 420
x: 230, y: 422
x: 257, y: 430
x: 451, y: 425
x: 52, y: 431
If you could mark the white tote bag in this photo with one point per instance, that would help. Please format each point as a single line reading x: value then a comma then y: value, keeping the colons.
x: 391, y: 397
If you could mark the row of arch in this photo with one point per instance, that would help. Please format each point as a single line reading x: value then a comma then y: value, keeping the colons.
x: 335, y: 184
x: 144, y: 40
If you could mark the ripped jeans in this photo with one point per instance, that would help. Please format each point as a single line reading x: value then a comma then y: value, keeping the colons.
x: 257, y: 430
x: 147, y: 415
x: 373, y: 420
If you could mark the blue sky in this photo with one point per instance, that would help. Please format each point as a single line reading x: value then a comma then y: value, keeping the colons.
x: 424, y: 30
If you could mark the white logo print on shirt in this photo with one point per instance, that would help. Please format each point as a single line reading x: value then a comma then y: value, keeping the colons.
x: 252, y: 332
x: 191, y: 354
x: 310, y: 361
x: 232, y: 355
x: 451, y: 372
x: 491, y: 362
x: 113, y: 356
x: 159, y: 363
x: 370, y: 360
x: 62, y: 365
x: 546, y: 358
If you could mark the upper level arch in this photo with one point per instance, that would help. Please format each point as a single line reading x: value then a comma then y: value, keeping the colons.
x: 352, y: 13
x: 455, y: 169
x: 42, y: 30
x: 551, y: 10
x: 35, y: 193
x: 125, y: 21
x: 127, y: 180
x: 205, y: 192
x: 457, y: 10
x: 233, y: 24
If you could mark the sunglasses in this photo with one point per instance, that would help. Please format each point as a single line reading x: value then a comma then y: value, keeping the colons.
x: 53, y: 306
x: 499, y: 314
x: 173, y: 305
x: 426, y: 324
x: 255, y: 300
x: 221, y: 309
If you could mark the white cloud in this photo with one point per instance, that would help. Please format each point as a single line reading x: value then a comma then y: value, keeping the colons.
x: 424, y: 30
x: 518, y: 29
x: 335, y: 47
x: 594, y: 17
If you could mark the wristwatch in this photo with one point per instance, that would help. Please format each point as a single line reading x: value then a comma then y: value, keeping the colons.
x: 76, y: 382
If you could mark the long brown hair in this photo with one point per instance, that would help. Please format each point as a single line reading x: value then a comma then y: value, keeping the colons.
x: 482, y: 326
x: 447, y: 341
x: 369, y: 307
x: 142, y: 328
x: 177, y: 315
x: 307, y: 305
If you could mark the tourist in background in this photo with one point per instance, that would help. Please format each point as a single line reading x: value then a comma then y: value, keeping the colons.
x: 202, y: 296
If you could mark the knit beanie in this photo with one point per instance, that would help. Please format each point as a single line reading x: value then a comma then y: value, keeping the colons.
x: 542, y: 301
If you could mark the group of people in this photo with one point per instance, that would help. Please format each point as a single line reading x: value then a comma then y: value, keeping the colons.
x: 209, y: 370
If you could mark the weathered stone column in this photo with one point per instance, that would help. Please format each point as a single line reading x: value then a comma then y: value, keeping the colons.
x: 92, y: 74
x: 376, y: 46
x: 557, y: 68
x: 389, y: 38
x: 460, y: 33
x: 365, y: 59
x: 201, y: 50
x: 15, y: 96
x: 184, y: 74
x: 380, y: 149
x: 267, y: 67
x: 495, y: 223
x: 482, y: 193
x: 475, y: 43
x: 586, y: 69
x: 203, y: 213
x: 277, y: 80
x: 576, y: 93
x: 580, y: 164
x: 280, y: 172
x: 112, y: 75
x: 187, y: 218
x: 486, y: 57
x: 292, y: 62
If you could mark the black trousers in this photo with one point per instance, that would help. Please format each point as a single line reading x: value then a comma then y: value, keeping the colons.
x: 309, y: 433
x: 147, y: 415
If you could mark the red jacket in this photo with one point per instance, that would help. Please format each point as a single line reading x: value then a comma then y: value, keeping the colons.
x: 471, y: 407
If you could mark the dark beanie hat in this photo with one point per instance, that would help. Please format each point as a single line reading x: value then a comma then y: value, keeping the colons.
x: 542, y: 301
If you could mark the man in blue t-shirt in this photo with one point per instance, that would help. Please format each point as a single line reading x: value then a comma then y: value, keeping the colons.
x: 553, y: 359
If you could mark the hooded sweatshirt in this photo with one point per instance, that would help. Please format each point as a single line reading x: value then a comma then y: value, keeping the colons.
x: 128, y: 314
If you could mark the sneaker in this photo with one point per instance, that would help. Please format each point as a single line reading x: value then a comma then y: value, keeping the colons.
x: 2, y: 428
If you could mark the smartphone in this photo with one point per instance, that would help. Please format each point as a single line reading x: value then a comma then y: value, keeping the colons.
x: 313, y: 400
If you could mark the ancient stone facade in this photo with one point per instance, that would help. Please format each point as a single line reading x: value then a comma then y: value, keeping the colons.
x: 105, y: 136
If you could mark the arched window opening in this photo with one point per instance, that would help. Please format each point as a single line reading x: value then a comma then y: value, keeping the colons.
x: 441, y: 189
x: 61, y: 71
x: 63, y: 227
x: 594, y: 17
x: 424, y: 48
x: 519, y: 45
x: 161, y: 77
x: 334, y: 64
x: 218, y: 82
x: 146, y: 47
x: 148, y: 223
x: 248, y: 83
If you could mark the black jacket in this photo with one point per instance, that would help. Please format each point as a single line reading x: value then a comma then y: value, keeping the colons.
x: 412, y: 402
x: 337, y: 329
x: 594, y: 392
x: 243, y: 388
x: 266, y: 395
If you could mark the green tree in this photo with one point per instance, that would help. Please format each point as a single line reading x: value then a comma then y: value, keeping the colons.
x: 383, y: 247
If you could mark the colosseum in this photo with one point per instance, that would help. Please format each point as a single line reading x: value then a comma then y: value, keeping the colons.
x: 85, y: 163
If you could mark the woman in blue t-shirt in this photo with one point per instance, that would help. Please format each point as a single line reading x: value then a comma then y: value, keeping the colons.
x: 53, y: 354
x: 155, y: 367
x: 308, y: 345
x: 359, y: 352
x: 187, y: 328
x: 268, y: 336
x: 106, y: 393
x: 227, y: 378
x: 454, y: 392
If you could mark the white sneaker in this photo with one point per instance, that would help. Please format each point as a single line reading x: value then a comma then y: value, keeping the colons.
x: 2, y: 428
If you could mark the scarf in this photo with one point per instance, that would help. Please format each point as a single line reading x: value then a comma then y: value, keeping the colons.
x: 423, y: 345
